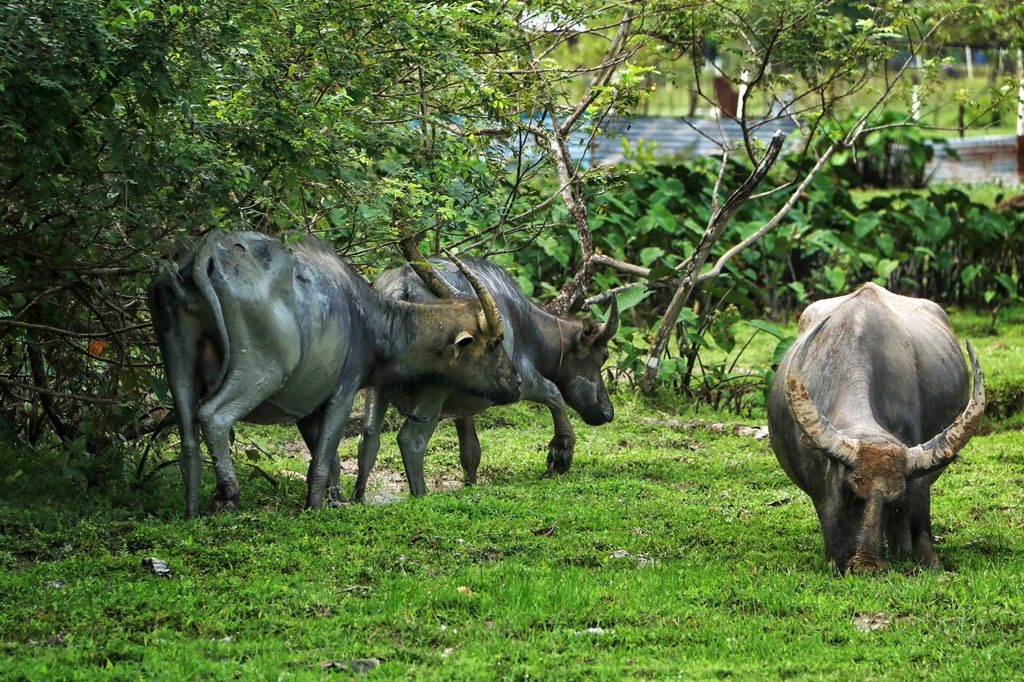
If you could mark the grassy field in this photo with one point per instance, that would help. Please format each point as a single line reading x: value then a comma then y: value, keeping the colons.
x: 667, y: 552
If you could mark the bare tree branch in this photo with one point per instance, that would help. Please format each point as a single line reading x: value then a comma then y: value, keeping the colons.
x: 57, y: 394
x: 716, y: 226
x: 64, y: 332
x: 603, y: 76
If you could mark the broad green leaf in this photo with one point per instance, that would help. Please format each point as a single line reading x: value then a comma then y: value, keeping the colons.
x: 970, y: 273
x: 836, y: 278
x: 650, y: 254
x: 885, y: 267
x: 865, y: 223
x: 631, y: 297
x: 784, y: 345
x: 768, y: 327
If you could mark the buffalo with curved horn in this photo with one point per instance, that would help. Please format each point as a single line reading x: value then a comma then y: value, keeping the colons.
x: 868, y: 408
x: 558, y: 359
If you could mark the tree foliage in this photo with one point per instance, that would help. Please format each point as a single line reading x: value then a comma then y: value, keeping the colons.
x: 127, y: 124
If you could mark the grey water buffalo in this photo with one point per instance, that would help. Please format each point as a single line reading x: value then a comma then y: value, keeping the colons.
x: 869, y: 406
x: 558, y: 358
x: 254, y: 329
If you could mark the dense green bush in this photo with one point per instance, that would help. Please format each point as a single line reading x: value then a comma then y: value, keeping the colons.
x: 936, y: 243
x: 894, y: 156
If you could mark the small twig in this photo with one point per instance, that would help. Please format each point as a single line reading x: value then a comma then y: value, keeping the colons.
x: 58, y: 394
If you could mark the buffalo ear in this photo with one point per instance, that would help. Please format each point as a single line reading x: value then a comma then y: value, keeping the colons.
x: 591, y: 330
x: 463, y: 339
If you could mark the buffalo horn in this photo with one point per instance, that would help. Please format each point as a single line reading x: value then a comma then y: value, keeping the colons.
x: 423, y: 268
x: 816, y: 428
x: 943, y: 448
x: 609, y: 328
x: 487, y: 302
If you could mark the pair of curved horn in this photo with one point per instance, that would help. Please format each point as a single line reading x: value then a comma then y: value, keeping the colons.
x: 422, y: 267
x: 491, y: 312
x: 920, y: 459
x: 442, y: 289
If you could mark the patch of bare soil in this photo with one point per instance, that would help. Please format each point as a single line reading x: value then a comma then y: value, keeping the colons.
x: 391, y: 481
x: 757, y: 432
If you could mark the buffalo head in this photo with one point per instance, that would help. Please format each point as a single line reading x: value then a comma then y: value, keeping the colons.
x: 579, y: 376
x: 470, y: 345
x: 473, y: 357
x: 583, y: 350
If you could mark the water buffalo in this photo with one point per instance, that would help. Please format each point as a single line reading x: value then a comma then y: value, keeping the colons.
x: 558, y: 358
x: 253, y: 329
x: 868, y: 408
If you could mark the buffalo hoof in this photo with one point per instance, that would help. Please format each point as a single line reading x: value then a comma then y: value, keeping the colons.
x: 560, y: 451
x: 924, y: 554
x: 225, y: 498
x: 336, y: 498
x: 224, y: 505
x: 861, y: 566
x: 559, y: 460
x: 417, y: 487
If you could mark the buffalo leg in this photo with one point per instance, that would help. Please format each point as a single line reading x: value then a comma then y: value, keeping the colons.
x: 335, y: 495
x: 232, y: 402
x: 179, y: 336
x: 325, y: 453
x: 369, y: 443
x: 919, y: 509
x: 412, y: 441
x: 563, y: 443
x: 898, y: 532
x: 416, y: 433
x: 469, y: 447
x: 309, y: 427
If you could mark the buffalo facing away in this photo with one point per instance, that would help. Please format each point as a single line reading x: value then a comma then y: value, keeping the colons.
x: 253, y: 329
x: 868, y: 408
x: 559, y: 360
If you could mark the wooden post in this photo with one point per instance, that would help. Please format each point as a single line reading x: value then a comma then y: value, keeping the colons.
x: 969, y: 58
x: 741, y: 107
x: 1020, y: 115
x: 725, y: 97
x: 915, y: 93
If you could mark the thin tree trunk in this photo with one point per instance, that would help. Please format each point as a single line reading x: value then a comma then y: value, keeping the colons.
x: 572, y: 295
x: 716, y: 226
x: 574, y: 292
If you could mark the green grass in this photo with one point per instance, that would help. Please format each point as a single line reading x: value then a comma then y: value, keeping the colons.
x: 999, y: 341
x: 986, y: 193
x: 672, y: 86
x: 722, y: 576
